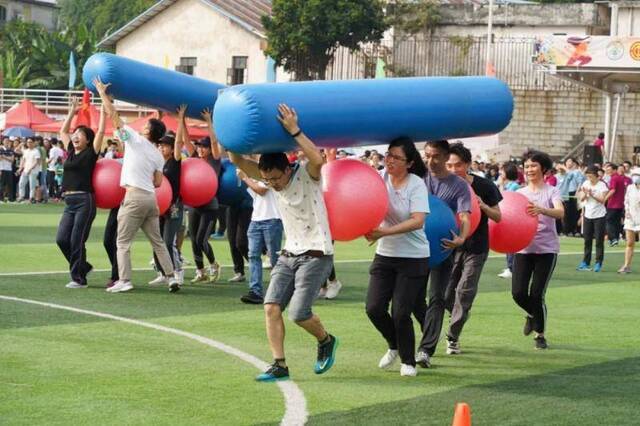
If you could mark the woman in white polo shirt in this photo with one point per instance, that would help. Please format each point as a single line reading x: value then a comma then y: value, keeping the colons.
x: 400, y: 266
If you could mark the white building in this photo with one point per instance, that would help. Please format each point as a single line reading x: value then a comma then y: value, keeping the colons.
x: 218, y: 40
x: 43, y: 12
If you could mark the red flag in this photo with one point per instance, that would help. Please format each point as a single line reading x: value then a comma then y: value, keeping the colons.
x: 83, y: 117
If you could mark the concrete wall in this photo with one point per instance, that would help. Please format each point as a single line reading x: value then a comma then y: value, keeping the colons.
x: 190, y: 28
x: 46, y: 16
x: 552, y: 120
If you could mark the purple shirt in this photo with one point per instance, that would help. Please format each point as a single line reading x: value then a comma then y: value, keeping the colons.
x: 546, y: 239
x: 452, y: 189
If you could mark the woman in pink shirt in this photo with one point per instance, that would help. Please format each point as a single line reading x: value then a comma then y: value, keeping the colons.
x: 533, y: 266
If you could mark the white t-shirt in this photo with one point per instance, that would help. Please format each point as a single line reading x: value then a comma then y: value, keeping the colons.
x: 141, y: 160
x: 5, y: 165
x: 412, y: 198
x: 265, y: 207
x: 592, y: 208
x: 632, y: 208
x: 304, y: 214
x: 31, y: 157
x: 54, y: 153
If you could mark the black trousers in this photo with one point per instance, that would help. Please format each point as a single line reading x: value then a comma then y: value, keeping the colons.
x: 238, y: 220
x: 593, y: 228
x: 430, y: 317
x: 200, y: 225
x: 531, y: 276
x: 7, y: 188
x: 571, y: 214
x: 109, y: 241
x: 220, y: 220
x: 51, y: 184
x: 614, y: 223
x: 397, y: 280
x: 73, y: 231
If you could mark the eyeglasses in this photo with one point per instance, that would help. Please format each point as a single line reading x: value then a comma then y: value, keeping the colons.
x: 391, y: 156
x: 273, y: 179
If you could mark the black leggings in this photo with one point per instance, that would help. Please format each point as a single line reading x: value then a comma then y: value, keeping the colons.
x: 398, y: 280
x: 109, y: 241
x: 531, y: 276
x: 200, y: 225
x: 238, y: 220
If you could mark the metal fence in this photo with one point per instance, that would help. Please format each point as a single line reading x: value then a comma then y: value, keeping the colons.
x: 446, y: 56
x: 53, y: 101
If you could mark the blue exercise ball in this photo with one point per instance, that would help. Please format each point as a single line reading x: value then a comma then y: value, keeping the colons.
x: 362, y: 112
x: 438, y: 225
x: 144, y: 84
x: 231, y: 190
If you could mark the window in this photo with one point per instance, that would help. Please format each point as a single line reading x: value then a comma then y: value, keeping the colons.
x: 3, y: 15
x: 237, y: 74
x: 187, y: 65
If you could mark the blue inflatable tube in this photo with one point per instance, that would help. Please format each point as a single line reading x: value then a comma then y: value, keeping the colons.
x: 362, y: 112
x: 143, y: 84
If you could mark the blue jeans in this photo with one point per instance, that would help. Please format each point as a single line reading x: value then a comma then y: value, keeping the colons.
x: 262, y: 234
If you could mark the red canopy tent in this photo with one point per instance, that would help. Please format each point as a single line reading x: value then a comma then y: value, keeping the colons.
x: 26, y: 115
x: 79, y: 119
x: 195, y: 131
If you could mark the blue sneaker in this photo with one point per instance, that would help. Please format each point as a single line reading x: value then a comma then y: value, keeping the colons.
x: 597, y: 267
x: 326, y: 355
x: 274, y: 373
x: 583, y: 267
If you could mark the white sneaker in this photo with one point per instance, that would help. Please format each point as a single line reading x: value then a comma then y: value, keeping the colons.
x: 266, y: 263
x: 408, y: 370
x: 423, y: 359
x: 333, y: 288
x: 173, y: 284
x: 200, y: 277
x: 322, y: 293
x: 160, y: 279
x: 179, y: 275
x: 120, y: 287
x: 505, y: 274
x: 388, y: 359
x: 453, y: 347
x: 214, y: 272
x: 73, y: 284
x: 237, y: 278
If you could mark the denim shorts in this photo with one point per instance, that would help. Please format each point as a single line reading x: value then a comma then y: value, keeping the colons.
x: 296, y: 281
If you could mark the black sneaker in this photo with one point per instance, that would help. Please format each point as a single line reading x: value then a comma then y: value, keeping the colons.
x: 252, y: 299
x: 541, y: 342
x: 326, y: 355
x: 274, y: 373
x: 528, y: 326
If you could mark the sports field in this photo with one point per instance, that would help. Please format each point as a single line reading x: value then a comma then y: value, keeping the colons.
x: 171, y: 365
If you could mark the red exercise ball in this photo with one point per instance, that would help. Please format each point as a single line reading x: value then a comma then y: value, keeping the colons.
x: 164, y: 194
x: 106, y: 184
x: 355, y: 196
x: 516, y: 229
x: 198, y: 182
x: 475, y: 215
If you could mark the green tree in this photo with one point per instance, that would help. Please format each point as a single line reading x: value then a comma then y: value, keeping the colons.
x: 303, y: 35
x: 412, y: 17
x: 36, y: 58
x: 102, y: 16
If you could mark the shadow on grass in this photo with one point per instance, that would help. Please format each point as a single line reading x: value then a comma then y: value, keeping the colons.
x: 604, y: 393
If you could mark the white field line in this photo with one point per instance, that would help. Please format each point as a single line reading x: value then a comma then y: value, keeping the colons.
x: 295, y: 402
x: 493, y: 256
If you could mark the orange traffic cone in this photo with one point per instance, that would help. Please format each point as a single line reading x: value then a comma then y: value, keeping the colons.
x: 462, y: 415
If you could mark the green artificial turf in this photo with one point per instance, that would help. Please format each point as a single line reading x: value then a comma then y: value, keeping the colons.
x: 59, y: 367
